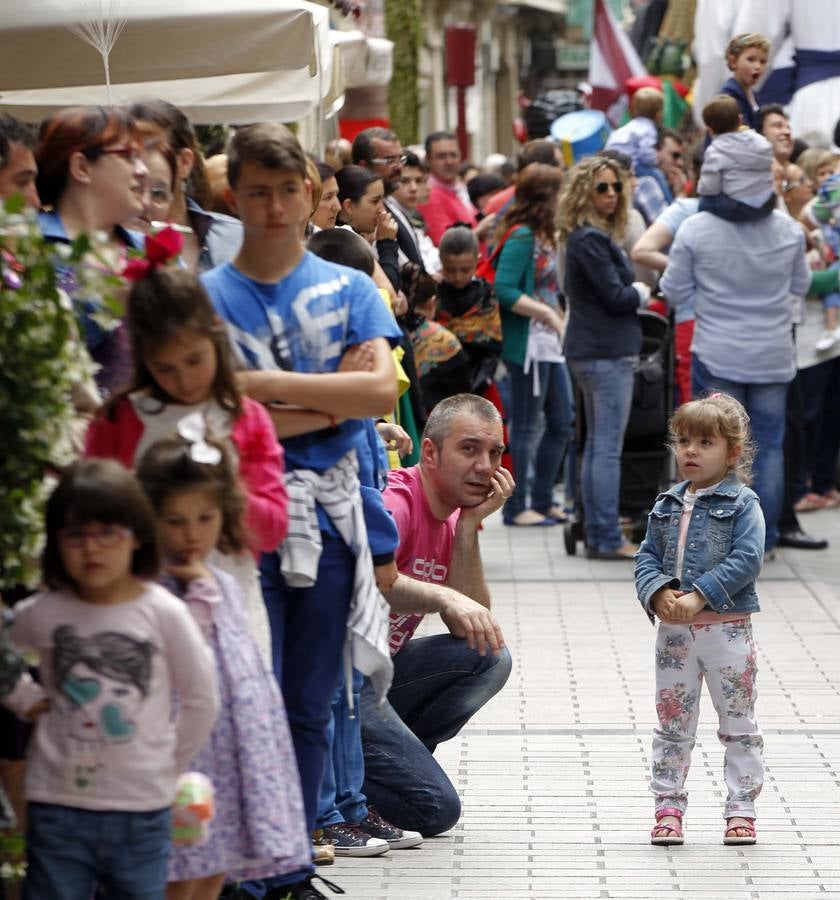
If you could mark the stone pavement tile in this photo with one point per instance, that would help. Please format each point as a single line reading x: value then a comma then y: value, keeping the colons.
x: 553, y: 773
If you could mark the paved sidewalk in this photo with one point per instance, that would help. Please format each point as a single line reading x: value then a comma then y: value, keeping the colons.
x: 553, y: 772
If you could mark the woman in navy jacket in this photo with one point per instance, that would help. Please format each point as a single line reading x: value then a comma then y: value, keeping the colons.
x: 603, y: 337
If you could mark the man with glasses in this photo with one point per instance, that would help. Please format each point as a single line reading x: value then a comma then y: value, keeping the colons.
x: 649, y: 197
x: 380, y: 150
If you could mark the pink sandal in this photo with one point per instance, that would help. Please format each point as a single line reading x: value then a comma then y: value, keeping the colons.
x: 747, y: 825
x: 667, y: 834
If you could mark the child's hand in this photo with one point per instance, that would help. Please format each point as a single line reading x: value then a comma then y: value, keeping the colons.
x: 395, y: 437
x: 386, y: 575
x: 188, y: 570
x: 663, y: 602
x: 686, y: 607
x: 358, y: 358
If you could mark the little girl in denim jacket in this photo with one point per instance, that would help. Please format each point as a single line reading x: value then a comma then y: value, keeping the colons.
x: 696, y: 572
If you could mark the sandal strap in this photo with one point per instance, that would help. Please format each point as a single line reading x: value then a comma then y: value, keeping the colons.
x: 747, y: 825
x: 668, y: 811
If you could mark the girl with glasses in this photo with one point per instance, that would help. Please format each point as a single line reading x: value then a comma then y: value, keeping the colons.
x: 114, y: 648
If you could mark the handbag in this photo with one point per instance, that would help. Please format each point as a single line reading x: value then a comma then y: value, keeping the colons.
x: 486, y: 268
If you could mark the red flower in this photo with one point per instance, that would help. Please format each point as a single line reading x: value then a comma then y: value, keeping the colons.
x: 160, y: 248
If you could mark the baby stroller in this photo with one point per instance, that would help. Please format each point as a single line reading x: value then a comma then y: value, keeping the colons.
x: 645, y: 457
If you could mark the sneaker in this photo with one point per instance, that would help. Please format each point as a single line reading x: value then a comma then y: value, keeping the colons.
x: 827, y: 339
x: 350, y: 840
x: 304, y: 890
x: 397, y: 838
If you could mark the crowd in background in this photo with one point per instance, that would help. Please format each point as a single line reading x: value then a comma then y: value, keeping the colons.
x: 265, y: 393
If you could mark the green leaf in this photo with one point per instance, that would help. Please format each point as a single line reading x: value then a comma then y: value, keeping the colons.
x: 15, y: 204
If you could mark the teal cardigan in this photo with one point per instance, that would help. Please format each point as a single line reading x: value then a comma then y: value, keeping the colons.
x: 515, y: 270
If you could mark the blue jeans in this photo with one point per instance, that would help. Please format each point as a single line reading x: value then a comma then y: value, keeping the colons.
x: 341, y: 798
x: 71, y: 851
x: 765, y: 405
x: 606, y: 386
x: 439, y: 685
x: 524, y: 420
x: 308, y: 627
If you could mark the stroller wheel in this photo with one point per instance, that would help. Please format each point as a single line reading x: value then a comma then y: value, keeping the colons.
x: 569, y: 538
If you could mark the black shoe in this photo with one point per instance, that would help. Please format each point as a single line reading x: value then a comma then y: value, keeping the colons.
x: 801, y: 541
x: 304, y: 890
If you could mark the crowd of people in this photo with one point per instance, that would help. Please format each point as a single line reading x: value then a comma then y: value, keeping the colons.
x: 302, y: 421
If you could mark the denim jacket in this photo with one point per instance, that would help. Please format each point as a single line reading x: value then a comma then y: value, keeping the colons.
x: 724, y: 547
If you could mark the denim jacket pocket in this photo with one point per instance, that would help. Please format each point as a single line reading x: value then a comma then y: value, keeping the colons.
x: 719, y: 532
x: 660, y: 522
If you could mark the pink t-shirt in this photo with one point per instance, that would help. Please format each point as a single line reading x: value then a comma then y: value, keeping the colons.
x: 110, y: 740
x: 425, y: 549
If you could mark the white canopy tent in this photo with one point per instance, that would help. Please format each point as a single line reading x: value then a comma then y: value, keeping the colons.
x: 341, y: 60
x: 247, y: 96
x: 162, y: 40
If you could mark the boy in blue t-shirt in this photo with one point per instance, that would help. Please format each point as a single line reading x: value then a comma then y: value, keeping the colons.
x: 291, y: 317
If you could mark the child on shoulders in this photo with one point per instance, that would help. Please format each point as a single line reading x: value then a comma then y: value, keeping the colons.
x: 738, y: 163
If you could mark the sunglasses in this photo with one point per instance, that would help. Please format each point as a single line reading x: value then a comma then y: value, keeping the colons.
x: 790, y: 185
x: 603, y: 186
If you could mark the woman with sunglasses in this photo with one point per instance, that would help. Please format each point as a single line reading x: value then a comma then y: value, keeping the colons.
x: 527, y: 288
x: 91, y: 179
x: 603, y: 337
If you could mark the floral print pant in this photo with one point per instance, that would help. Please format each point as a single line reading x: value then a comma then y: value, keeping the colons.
x: 724, y: 656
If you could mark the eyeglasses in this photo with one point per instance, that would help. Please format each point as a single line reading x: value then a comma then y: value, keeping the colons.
x: 790, y: 185
x: 388, y: 160
x: 106, y: 536
x: 603, y: 186
x: 132, y: 154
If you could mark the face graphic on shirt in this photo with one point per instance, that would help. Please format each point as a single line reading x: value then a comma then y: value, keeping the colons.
x: 100, y: 683
x: 99, y: 708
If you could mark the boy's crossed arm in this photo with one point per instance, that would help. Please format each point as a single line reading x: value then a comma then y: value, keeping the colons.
x: 363, y: 386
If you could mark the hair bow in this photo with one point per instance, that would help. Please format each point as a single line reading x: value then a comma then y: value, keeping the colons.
x: 160, y: 248
x: 192, y: 429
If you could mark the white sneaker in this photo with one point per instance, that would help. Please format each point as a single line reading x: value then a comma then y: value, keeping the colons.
x: 828, y: 339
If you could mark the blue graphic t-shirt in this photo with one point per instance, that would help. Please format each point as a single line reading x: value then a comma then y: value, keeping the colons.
x: 303, y: 323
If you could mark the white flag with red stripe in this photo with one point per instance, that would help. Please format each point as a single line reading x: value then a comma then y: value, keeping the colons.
x: 612, y: 60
